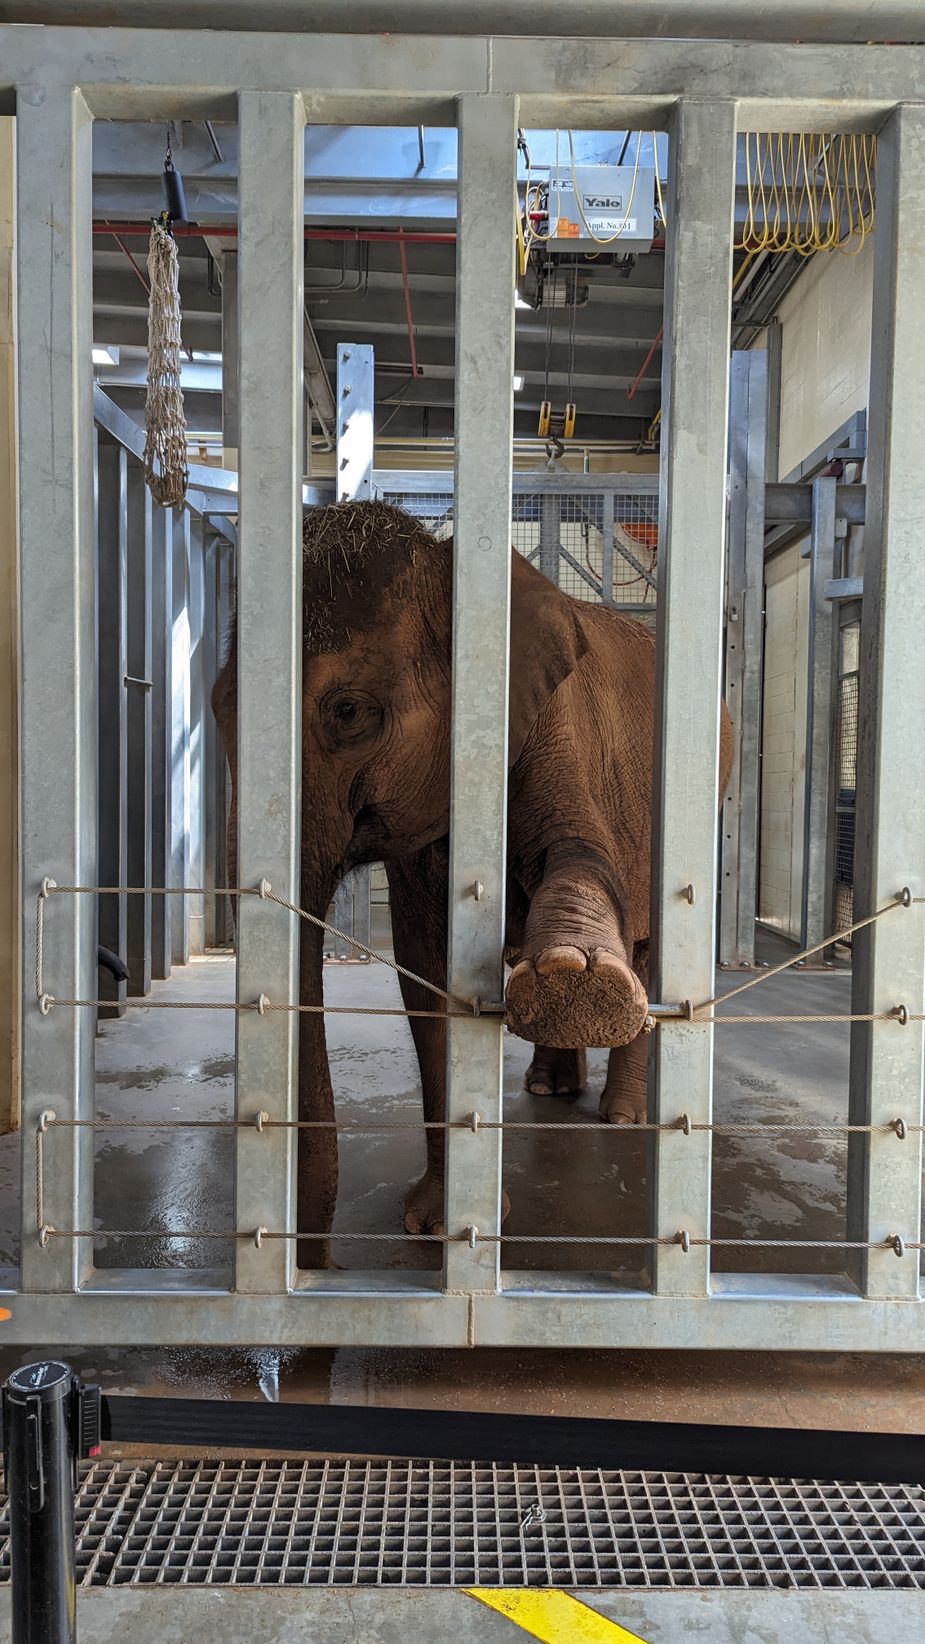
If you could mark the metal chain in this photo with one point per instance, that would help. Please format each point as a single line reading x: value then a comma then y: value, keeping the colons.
x: 475, y: 1123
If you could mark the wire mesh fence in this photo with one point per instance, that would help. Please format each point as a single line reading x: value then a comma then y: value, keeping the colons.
x: 600, y: 546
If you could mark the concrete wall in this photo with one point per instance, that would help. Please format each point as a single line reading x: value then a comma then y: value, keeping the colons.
x: 825, y: 368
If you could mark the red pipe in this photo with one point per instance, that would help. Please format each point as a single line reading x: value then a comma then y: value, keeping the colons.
x: 656, y: 345
x: 229, y: 231
x: 406, y: 288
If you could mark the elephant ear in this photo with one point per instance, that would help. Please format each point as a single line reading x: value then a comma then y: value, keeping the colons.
x: 547, y: 641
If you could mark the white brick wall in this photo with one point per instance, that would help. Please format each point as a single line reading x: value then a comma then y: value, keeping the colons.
x: 825, y: 366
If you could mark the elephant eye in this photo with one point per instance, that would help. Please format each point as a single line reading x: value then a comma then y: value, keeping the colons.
x: 351, y: 717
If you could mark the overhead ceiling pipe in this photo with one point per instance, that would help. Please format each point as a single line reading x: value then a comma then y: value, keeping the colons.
x: 229, y: 231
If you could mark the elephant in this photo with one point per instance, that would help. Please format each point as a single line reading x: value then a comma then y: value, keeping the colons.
x: 376, y: 679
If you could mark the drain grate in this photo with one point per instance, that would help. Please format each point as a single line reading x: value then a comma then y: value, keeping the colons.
x: 448, y: 1524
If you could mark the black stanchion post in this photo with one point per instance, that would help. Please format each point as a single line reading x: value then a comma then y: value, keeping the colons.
x: 49, y: 1420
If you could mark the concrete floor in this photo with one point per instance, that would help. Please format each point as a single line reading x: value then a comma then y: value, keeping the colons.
x: 150, y: 1064
x: 340, y: 1616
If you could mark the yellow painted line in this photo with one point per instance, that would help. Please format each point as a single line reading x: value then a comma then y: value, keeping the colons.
x: 552, y: 1616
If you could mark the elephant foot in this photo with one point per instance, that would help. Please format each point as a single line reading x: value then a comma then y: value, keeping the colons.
x: 556, y: 1072
x: 622, y: 1107
x: 424, y: 1206
x: 567, y: 997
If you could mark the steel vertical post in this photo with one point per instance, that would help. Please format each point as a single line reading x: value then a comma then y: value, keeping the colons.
x: 112, y: 858
x: 270, y: 291
x: 213, y: 754
x: 198, y: 708
x: 179, y: 769
x: 354, y: 467
x: 690, y: 615
x: 161, y: 736
x: 818, y: 890
x: 550, y: 535
x: 58, y: 702
x: 481, y: 642
x: 884, y: 1175
x: 744, y: 638
x: 609, y: 505
x: 138, y: 689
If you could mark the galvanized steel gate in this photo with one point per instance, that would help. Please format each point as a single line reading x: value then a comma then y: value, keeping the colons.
x: 702, y: 94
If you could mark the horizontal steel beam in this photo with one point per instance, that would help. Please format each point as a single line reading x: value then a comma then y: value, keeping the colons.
x: 601, y: 84
x: 841, y: 589
x: 836, y: 20
x: 745, y: 1311
x: 793, y: 504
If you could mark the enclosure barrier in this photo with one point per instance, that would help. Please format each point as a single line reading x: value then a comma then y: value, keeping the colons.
x: 62, y: 80
x: 659, y: 1016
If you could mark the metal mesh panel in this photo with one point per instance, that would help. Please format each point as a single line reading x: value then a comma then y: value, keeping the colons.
x: 446, y: 1524
x: 568, y: 527
x: 635, y: 538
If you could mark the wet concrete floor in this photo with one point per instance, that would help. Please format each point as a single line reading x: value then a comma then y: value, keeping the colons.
x: 162, y: 1066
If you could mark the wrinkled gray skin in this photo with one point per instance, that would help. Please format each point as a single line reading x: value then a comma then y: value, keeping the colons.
x: 375, y: 787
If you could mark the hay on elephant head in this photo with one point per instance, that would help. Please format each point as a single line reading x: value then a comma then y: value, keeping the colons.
x: 351, y: 552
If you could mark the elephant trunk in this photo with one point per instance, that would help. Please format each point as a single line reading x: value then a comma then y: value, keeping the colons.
x: 317, y: 1151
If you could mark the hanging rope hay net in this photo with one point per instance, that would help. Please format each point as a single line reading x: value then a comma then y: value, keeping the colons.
x: 165, y: 460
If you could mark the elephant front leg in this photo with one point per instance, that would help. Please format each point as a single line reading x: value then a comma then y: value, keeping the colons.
x: 575, y: 984
x: 624, y: 1099
x: 556, y: 1072
x: 418, y: 904
x: 316, y: 1199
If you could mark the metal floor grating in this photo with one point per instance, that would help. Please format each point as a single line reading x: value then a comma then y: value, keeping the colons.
x: 449, y: 1524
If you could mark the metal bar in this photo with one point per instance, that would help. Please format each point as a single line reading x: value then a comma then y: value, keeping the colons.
x: 752, y: 642
x: 818, y: 845
x: 797, y: 1313
x: 884, y: 1191
x: 609, y: 84
x: 775, y: 350
x: 58, y: 595
x: 690, y: 611
x: 743, y: 645
x: 355, y: 413
x: 481, y: 633
x: 213, y: 757
x: 161, y: 735
x: 112, y: 854
x: 841, y: 589
x: 180, y: 736
x: 139, y: 719
x: 607, y: 547
x: 354, y: 420
x: 199, y: 706
x: 550, y: 536
x: 231, y: 406
x: 270, y: 279
x: 792, y: 504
